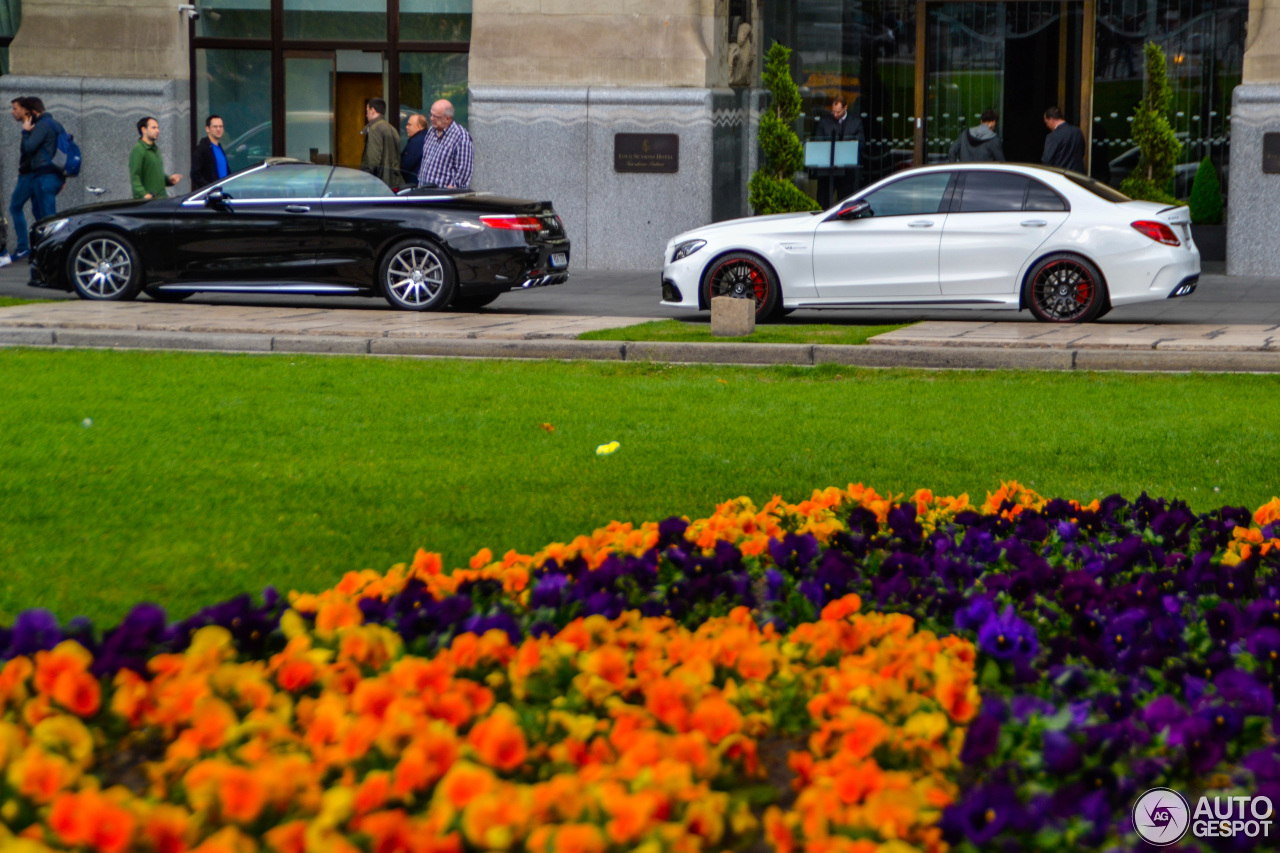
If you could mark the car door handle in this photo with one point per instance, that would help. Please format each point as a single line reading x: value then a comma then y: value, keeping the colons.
x: 297, y: 208
x: 1034, y: 223
x: 921, y: 223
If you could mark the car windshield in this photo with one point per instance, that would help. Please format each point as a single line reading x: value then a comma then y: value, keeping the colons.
x: 1098, y: 188
x: 280, y: 181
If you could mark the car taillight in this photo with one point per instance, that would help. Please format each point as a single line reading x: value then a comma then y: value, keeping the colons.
x: 511, y: 222
x: 1157, y: 231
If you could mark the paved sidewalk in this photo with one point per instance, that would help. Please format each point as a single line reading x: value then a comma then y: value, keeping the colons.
x: 147, y: 316
x: 934, y: 344
x: 1140, y: 336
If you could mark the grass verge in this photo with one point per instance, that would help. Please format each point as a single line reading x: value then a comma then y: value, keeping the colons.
x: 185, y: 478
x: 700, y: 332
x: 7, y: 301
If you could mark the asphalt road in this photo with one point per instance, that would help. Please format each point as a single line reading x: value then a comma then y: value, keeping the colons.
x: 1219, y: 299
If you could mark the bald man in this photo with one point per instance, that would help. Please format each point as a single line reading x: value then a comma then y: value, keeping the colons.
x: 411, y: 157
x: 446, y: 153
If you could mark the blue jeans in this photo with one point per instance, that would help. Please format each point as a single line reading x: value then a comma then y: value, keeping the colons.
x: 42, y: 192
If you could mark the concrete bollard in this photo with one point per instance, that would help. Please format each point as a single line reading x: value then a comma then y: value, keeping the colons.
x: 732, y: 317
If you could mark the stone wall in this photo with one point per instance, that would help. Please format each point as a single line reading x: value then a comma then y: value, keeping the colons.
x: 596, y: 43
x: 144, y: 39
x: 557, y: 143
x: 552, y: 82
x: 99, y: 66
x: 102, y: 115
x: 1254, y: 214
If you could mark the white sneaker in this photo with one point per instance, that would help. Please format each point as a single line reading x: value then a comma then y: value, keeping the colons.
x: 5, y: 260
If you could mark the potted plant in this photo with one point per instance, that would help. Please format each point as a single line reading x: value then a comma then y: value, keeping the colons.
x: 773, y: 188
x: 1206, y: 213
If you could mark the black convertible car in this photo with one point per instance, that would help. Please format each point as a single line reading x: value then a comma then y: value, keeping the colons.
x: 293, y: 227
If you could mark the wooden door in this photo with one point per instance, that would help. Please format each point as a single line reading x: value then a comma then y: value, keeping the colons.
x: 351, y: 92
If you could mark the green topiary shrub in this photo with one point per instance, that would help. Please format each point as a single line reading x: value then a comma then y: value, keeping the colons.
x: 772, y: 187
x: 1206, y: 195
x: 1153, y: 133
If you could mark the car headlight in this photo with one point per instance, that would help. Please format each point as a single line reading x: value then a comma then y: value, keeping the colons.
x: 48, y: 229
x: 686, y: 249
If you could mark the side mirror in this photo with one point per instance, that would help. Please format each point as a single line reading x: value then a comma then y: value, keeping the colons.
x: 216, y: 198
x: 854, y: 210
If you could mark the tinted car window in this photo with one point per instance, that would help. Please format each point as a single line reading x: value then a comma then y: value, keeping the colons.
x: 993, y: 192
x: 914, y: 196
x: 350, y: 183
x: 278, y: 182
x: 1040, y: 197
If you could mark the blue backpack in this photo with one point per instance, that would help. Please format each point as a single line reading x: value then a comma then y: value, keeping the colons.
x: 66, y: 155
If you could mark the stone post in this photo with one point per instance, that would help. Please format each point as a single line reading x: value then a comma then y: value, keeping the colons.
x: 732, y: 316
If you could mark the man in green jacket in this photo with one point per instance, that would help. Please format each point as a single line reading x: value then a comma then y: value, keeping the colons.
x: 381, y: 145
x: 146, y: 169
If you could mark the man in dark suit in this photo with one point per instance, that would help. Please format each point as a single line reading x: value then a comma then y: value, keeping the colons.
x: 842, y: 126
x: 210, y: 163
x: 411, y: 157
x: 1064, y: 146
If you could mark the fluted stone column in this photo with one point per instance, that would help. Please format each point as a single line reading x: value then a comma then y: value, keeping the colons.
x: 99, y: 66
x: 552, y: 82
x: 1253, y: 226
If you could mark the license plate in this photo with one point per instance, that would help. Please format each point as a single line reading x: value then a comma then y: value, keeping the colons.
x: 559, y: 259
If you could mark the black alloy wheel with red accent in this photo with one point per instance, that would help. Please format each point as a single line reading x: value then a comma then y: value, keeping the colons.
x: 746, y: 276
x: 1064, y: 288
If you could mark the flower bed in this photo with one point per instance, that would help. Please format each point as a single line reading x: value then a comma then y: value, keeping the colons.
x: 684, y: 685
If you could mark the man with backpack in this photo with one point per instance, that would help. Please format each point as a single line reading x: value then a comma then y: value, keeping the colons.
x: 39, y: 178
x: 979, y: 144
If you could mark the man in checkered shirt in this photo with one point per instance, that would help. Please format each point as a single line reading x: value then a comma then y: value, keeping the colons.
x: 446, y: 155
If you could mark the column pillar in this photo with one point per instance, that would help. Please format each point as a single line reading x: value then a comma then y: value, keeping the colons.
x: 1254, y: 214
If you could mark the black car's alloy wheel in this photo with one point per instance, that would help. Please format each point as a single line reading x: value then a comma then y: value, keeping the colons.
x: 1065, y: 289
x: 745, y: 276
x: 417, y: 276
x: 104, y: 266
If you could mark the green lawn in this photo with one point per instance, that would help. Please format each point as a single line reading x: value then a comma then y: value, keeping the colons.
x: 6, y: 301
x: 773, y: 333
x: 202, y: 475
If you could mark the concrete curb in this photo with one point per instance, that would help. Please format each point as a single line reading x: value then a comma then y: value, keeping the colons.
x: 805, y: 355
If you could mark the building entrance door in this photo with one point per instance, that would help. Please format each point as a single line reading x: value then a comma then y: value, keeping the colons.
x: 352, y: 92
x: 1018, y: 57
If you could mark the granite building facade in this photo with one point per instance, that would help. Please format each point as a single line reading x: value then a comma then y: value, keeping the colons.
x: 547, y: 86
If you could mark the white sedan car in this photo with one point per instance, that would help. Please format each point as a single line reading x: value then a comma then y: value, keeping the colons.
x: 990, y: 236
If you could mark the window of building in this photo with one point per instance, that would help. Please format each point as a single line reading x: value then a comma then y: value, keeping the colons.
x: 236, y: 84
x: 292, y: 77
x: 234, y: 19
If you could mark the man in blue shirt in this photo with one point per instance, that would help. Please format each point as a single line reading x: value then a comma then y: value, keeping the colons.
x: 210, y: 163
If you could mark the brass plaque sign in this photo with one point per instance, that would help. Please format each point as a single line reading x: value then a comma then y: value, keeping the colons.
x: 656, y: 153
x: 1271, y: 153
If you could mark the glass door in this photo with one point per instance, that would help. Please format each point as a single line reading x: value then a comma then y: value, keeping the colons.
x: 1018, y: 58
x: 308, y: 106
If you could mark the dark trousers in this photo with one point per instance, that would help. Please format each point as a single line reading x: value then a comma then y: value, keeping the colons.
x: 42, y: 192
x: 832, y: 190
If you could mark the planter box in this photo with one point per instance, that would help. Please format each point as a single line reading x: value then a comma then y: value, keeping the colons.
x: 1211, y: 240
